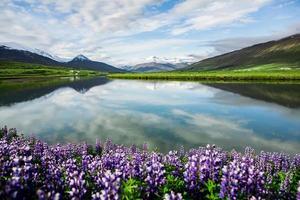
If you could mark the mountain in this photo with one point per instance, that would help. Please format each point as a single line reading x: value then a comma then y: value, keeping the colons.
x: 278, y: 54
x: 154, y: 67
x: 10, y: 54
x: 23, y: 54
x: 81, y: 61
x: 16, y: 46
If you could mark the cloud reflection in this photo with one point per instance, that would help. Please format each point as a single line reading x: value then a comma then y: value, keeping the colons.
x: 164, y: 114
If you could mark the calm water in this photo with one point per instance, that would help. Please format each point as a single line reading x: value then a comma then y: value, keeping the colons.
x: 163, y: 114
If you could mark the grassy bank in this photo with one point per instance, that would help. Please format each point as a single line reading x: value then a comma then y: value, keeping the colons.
x: 13, y: 70
x: 278, y: 75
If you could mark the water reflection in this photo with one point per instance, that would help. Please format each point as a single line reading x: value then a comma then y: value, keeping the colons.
x: 283, y: 94
x: 164, y: 114
x: 15, y: 91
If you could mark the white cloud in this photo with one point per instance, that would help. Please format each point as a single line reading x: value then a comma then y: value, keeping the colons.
x: 67, y: 28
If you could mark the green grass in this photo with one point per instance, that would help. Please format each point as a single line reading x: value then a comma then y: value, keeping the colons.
x: 243, y: 75
x: 11, y: 70
x: 273, y: 67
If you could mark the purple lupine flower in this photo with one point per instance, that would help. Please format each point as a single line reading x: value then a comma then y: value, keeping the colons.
x: 295, y: 162
x: 30, y: 168
x: 173, y: 196
x: 172, y: 160
x: 203, y: 164
x: 136, y: 166
x: 96, y: 196
x: 211, y: 162
x: 108, y: 145
x: 75, y: 180
x: 191, y: 173
x: 154, y: 173
x: 241, y: 176
x: 284, y: 187
x: 111, y: 184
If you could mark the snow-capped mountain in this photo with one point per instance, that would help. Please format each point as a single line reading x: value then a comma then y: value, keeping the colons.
x: 173, y: 60
x: 80, y: 58
x: 16, y: 46
x: 82, y: 61
x: 157, y: 64
x: 154, y: 67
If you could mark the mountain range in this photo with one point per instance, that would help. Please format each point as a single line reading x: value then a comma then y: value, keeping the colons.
x: 21, y: 54
x: 277, y: 54
x: 155, y: 67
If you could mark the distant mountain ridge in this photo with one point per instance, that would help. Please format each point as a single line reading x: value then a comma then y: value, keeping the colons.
x: 154, y: 67
x: 283, y: 53
x: 21, y: 54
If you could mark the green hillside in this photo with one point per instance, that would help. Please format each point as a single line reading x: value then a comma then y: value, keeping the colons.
x: 283, y: 54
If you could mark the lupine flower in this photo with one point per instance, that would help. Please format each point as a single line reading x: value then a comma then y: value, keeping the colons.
x: 241, y: 177
x: 111, y: 184
x: 154, y: 173
x: 191, y: 173
x: 32, y: 169
x: 173, y: 196
x: 172, y: 160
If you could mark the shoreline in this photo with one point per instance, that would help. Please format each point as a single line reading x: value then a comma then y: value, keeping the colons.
x: 212, y: 76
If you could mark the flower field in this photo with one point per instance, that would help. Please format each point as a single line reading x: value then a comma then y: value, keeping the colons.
x: 31, y: 169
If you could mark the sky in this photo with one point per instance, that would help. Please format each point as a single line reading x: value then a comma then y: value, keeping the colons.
x: 128, y: 32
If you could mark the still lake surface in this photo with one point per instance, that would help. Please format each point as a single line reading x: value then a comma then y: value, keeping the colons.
x: 165, y: 114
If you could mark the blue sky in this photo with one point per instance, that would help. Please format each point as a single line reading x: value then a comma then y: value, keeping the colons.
x: 134, y: 31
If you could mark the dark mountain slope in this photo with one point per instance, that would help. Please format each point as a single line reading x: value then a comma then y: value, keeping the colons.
x: 85, y: 63
x: 8, y: 54
x: 283, y: 53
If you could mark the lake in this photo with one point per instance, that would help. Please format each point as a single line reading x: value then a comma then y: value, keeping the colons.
x: 165, y: 114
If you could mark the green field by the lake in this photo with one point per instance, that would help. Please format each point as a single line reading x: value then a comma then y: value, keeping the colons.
x: 277, y: 75
x: 13, y: 70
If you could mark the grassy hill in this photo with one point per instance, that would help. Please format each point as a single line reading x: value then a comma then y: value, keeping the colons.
x: 283, y: 54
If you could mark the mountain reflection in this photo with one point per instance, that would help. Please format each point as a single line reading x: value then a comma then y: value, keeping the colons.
x: 21, y: 93
x: 283, y: 94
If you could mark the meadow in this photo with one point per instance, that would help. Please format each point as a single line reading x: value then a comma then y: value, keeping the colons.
x: 13, y: 70
x: 32, y: 169
x: 279, y: 75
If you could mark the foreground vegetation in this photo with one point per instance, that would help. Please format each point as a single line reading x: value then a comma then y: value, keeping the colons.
x: 10, y: 70
x: 31, y: 169
x: 278, y: 75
